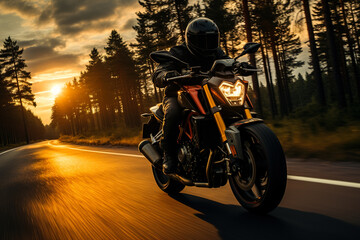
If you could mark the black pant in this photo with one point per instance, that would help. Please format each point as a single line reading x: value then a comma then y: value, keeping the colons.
x: 172, y: 119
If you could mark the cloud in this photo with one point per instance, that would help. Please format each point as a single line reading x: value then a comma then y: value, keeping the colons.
x: 129, y: 24
x: 72, y: 17
x: 50, y: 42
x: 41, y: 55
x: 24, y: 8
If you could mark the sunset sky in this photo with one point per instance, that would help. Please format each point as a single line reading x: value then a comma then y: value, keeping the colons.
x: 58, y: 35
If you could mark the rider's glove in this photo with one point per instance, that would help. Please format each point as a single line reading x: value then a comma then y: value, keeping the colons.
x: 241, y: 68
x: 167, y: 75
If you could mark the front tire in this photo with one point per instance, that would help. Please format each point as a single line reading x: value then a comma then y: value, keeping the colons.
x: 260, y: 184
x: 165, y: 183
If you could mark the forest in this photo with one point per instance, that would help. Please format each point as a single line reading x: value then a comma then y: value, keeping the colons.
x: 116, y: 87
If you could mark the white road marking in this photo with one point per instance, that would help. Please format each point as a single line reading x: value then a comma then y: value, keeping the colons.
x: 12, y: 149
x: 325, y: 181
x: 102, y: 152
x: 291, y: 177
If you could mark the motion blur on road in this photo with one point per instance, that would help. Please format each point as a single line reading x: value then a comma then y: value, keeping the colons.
x: 49, y: 190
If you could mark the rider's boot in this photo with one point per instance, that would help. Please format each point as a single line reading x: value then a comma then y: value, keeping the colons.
x: 170, y: 164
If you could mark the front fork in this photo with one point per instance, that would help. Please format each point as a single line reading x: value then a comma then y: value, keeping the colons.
x: 231, y: 134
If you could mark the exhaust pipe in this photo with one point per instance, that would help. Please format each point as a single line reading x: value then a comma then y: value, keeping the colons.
x: 147, y: 149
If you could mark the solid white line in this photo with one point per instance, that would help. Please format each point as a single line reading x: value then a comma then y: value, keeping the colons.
x: 102, y: 152
x: 325, y: 181
x: 12, y: 149
x: 291, y: 177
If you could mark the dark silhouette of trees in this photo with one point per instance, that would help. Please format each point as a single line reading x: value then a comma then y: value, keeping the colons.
x: 218, y: 11
x: 107, y: 95
x: 16, y: 123
x: 123, y: 74
x: 249, y: 38
x: 314, y: 53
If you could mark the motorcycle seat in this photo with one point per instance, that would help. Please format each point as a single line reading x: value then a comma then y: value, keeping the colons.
x: 158, y: 111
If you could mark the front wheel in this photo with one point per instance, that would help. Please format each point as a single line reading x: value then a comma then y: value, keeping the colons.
x: 165, y: 183
x: 260, y: 183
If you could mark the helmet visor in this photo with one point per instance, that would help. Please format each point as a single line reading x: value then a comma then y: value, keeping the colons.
x: 208, y: 41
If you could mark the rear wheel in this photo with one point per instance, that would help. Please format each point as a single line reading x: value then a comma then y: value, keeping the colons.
x: 260, y: 183
x: 165, y: 183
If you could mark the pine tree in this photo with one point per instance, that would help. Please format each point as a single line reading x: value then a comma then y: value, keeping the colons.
x: 101, y: 88
x: 248, y: 28
x: 218, y: 11
x: 182, y: 11
x: 120, y: 61
x: 350, y: 43
x: 14, y: 71
x: 145, y: 44
x: 315, y: 62
x: 334, y: 56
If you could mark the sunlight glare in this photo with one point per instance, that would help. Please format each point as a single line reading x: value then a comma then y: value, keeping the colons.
x: 55, y: 90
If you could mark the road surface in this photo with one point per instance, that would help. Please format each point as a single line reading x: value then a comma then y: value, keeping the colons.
x: 49, y: 190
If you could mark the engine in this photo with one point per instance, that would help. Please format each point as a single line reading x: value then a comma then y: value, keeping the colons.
x: 192, y: 161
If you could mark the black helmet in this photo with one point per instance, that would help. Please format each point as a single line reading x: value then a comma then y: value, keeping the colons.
x: 202, y: 37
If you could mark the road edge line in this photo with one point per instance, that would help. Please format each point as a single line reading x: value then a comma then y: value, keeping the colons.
x: 12, y: 149
x: 325, y: 181
x: 102, y: 152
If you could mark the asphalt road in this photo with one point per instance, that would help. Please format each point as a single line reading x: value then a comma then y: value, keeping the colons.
x: 54, y: 191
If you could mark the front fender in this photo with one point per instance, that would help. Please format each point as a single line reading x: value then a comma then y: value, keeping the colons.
x: 233, y: 136
x: 246, y: 122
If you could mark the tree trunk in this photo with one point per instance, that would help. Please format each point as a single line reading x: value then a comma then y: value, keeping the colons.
x: 268, y: 83
x: 283, y: 69
x: 343, y: 64
x: 178, y: 15
x: 270, y: 77
x: 279, y: 80
x: 20, y: 99
x: 333, y: 53
x: 352, y: 53
x: 254, y: 77
x: 314, y: 55
x: 355, y: 28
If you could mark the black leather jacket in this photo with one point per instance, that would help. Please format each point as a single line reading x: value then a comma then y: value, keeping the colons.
x: 182, y: 53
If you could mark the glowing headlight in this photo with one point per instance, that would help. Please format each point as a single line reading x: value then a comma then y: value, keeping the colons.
x: 233, y: 92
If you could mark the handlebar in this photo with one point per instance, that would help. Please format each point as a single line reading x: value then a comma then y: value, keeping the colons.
x: 179, y: 77
x: 208, y: 74
x: 187, y: 76
x: 252, y: 70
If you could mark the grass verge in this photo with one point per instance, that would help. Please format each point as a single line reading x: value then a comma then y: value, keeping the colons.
x: 116, y: 137
x: 300, y: 141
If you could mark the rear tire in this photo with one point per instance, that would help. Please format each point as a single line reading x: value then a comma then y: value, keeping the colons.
x: 165, y: 183
x: 260, y: 184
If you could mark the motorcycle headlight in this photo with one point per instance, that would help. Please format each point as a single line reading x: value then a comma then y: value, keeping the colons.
x: 234, y: 93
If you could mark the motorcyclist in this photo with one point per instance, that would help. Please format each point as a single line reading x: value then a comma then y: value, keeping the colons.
x: 201, y: 48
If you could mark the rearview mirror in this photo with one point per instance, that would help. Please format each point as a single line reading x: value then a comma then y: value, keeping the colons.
x: 249, y: 48
x: 165, y: 56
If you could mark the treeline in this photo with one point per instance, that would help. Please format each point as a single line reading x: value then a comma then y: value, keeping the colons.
x: 16, y: 123
x: 116, y: 87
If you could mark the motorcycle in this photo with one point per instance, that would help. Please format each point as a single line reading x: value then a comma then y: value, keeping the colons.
x: 219, y: 139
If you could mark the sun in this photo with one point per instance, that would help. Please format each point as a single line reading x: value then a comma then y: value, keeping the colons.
x: 55, y: 90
